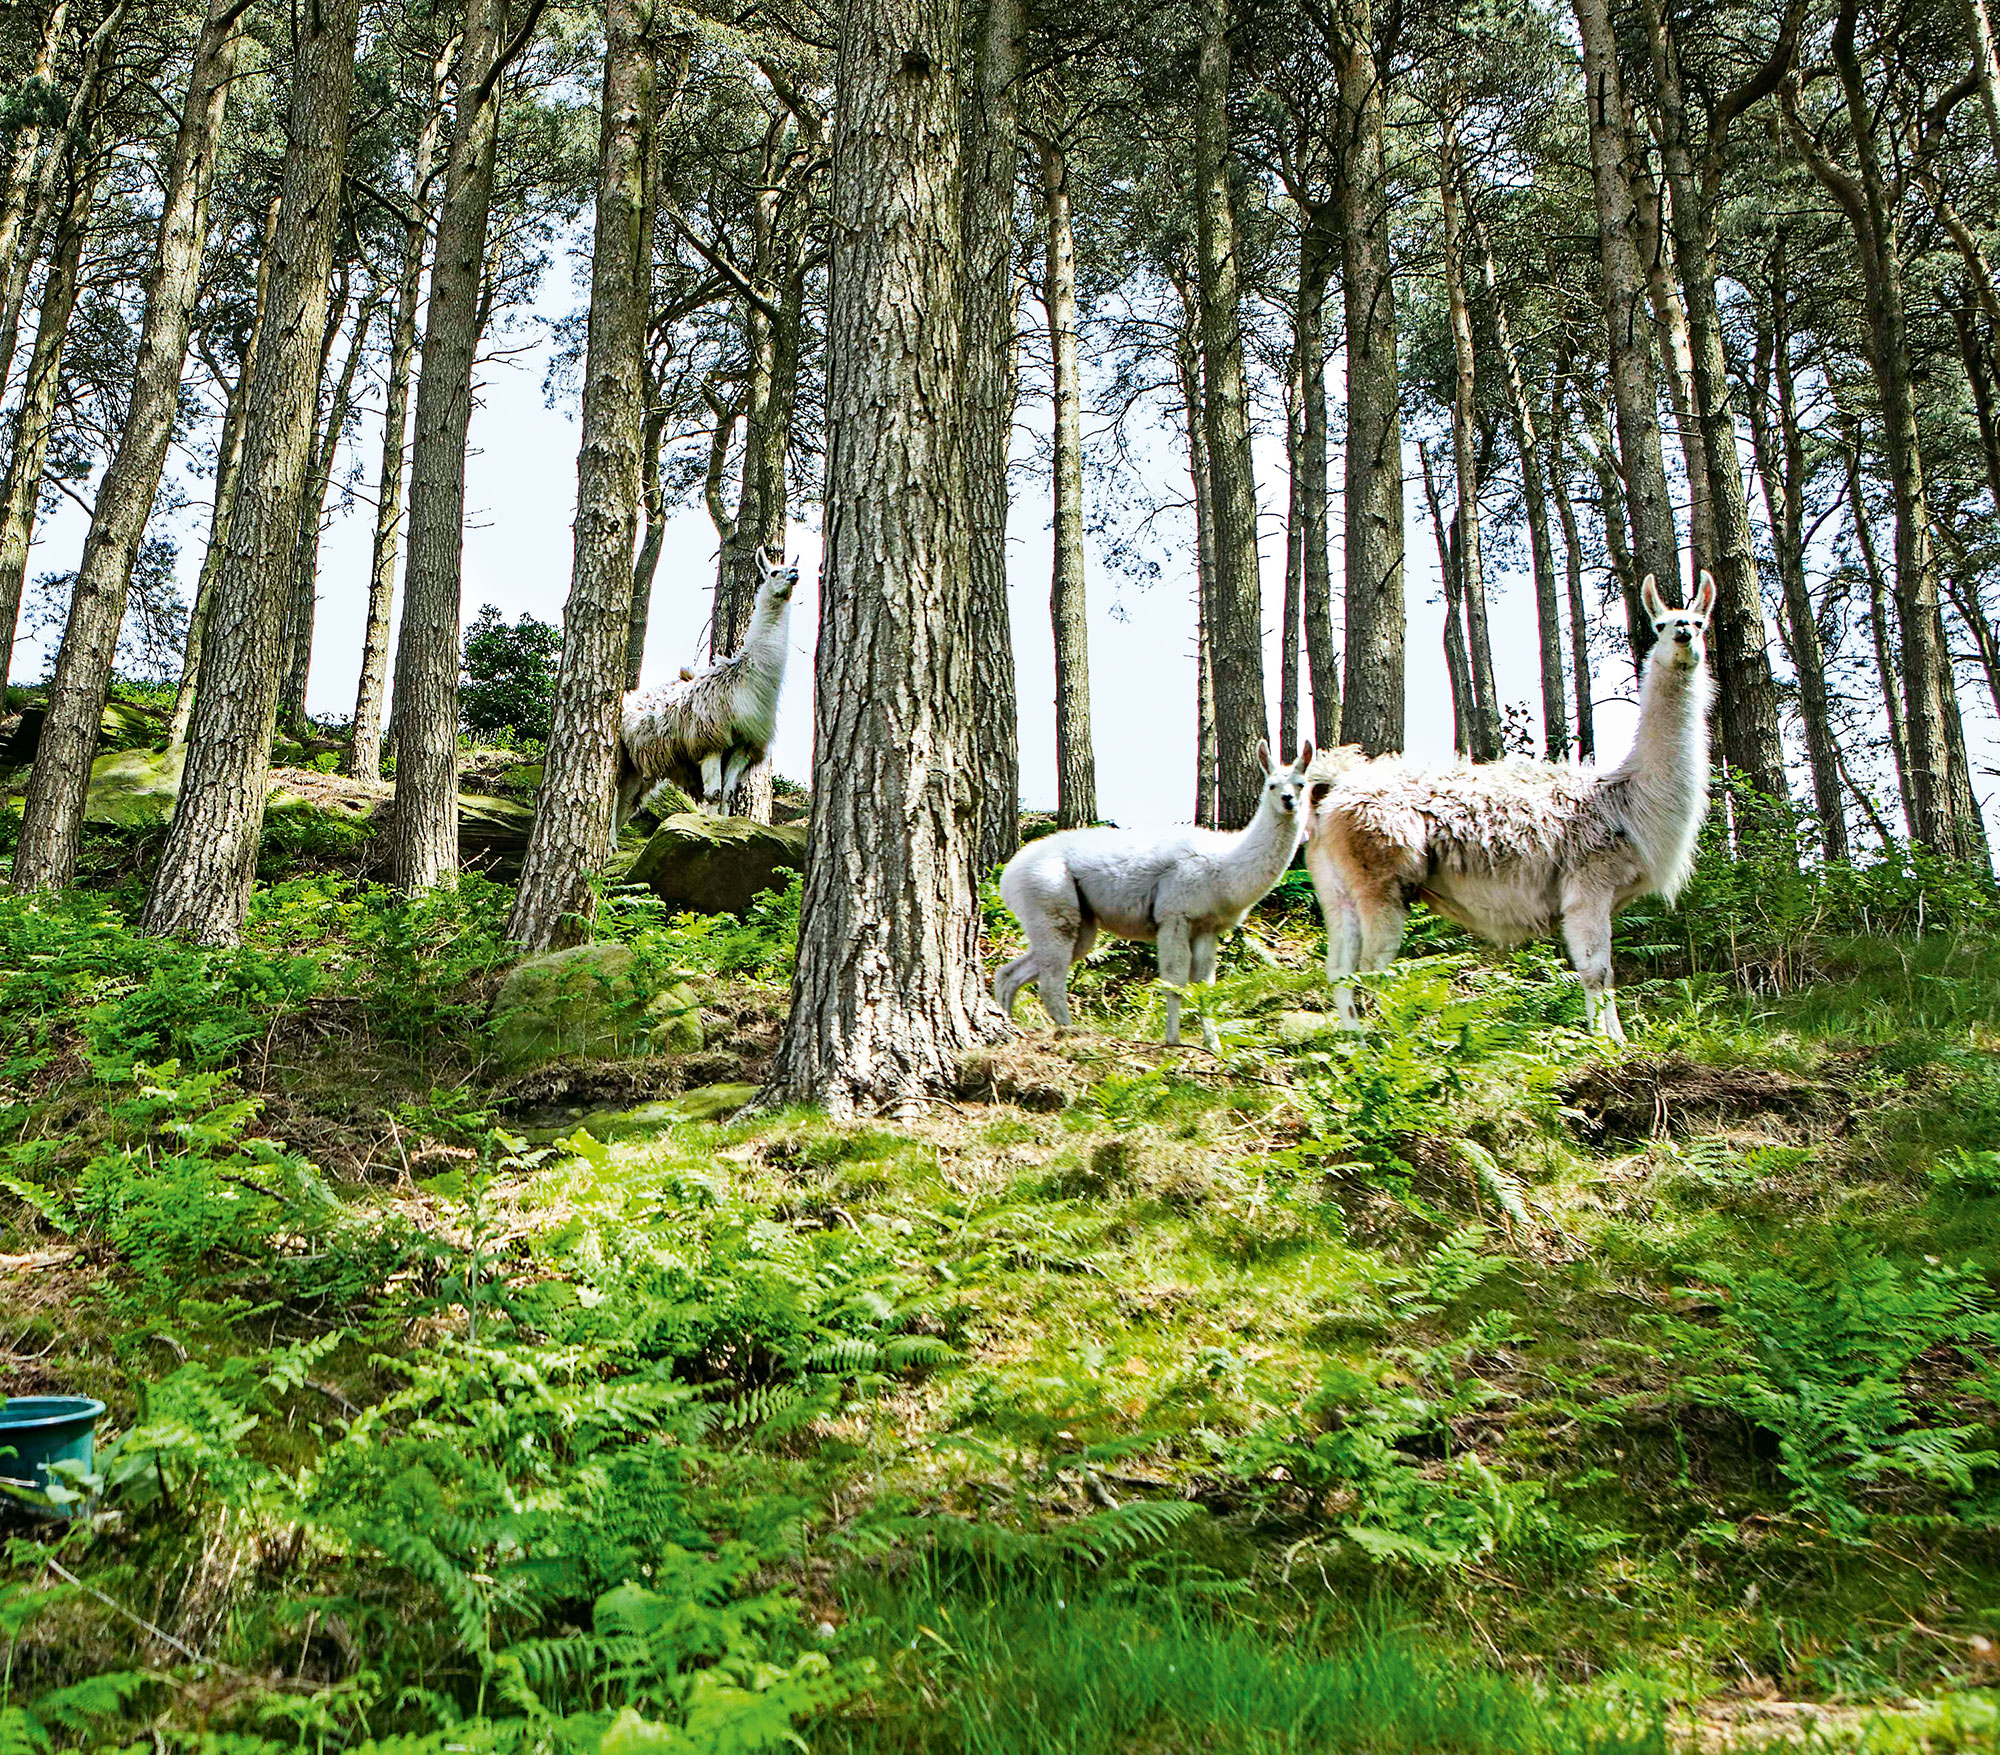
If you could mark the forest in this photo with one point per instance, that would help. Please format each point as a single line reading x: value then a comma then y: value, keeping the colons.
x: 525, y: 1227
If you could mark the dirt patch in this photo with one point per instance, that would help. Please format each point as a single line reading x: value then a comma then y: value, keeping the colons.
x: 1650, y: 1096
x: 1021, y: 1074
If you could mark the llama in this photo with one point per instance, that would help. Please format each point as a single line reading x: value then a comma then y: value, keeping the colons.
x: 1181, y: 887
x: 1512, y: 850
x: 707, y: 730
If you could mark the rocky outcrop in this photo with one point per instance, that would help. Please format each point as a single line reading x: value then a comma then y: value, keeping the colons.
x: 718, y: 865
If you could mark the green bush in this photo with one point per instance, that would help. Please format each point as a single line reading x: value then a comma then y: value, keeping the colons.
x: 509, y: 676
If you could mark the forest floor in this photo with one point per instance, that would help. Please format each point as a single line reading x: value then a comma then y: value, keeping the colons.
x: 1464, y: 1384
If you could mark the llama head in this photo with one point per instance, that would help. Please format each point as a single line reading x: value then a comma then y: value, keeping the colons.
x: 774, y: 577
x: 1681, y: 633
x: 1283, y: 787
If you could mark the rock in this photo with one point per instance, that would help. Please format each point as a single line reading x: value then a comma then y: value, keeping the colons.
x: 494, y: 827
x: 524, y: 778
x: 134, y: 789
x: 718, y: 865
x: 713, y: 1102
x: 1298, y: 1027
x: 592, y: 1001
x: 123, y: 727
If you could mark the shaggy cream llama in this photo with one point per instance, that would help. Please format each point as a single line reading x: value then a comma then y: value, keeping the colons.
x: 1512, y: 850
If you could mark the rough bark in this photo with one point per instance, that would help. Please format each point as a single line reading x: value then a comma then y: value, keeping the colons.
x: 1986, y: 62
x: 653, y: 500
x: 1870, y: 200
x: 1458, y: 667
x: 17, y: 203
x: 1781, y: 468
x: 52, y: 815
x: 888, y: 990
x: 424, y: 830
x: 1295, y: 565
x: 1596, y: 444
x: 364, y: 748
x: 21, y: 487
x: 986, y: 398
x: 1622, y: 278
x: 302, y: 613
x: 573, y: 812
x: 1534, y: 503
x: 1076, y: 761
x: 1204, y: 584
x: 202, y: 887
x: 1322, y: 659
x: 1485, y: 728
x: 1372, y: 707
x: 1676, y: 358
x: 1236, y: 628
x: 1887, y: 667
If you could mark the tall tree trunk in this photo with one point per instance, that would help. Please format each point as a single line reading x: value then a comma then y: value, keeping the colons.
x: 1596, y: 444
x: 1534, y: 503
x: 1623, y: 279
x: 1373, y: 706
x: 201, y: 888
x: 21, y: 488
x: 1204, y: 584
x: 364, y: 746
x: 1869, y: 204
x: 1747, y: 695
x: 653, y: 500
x: 1464, y: 449
x: 1986, y: 63
x: 1961, y: 583
x: 573, y: 828
x: 1676, y: 355
x: 1458, y: 668
x: 301, y: 614
x: 52, y: 817
x: 1076, y: 761
x: 1781, y: 467
x: 1236, y: 624
x: 1316, y: 253
x: 424, y: 828
x: 1295, y: 563
x: 889, y: 991
x: 1887, y: 667
x: 17, y: 202
x: 986, y: 398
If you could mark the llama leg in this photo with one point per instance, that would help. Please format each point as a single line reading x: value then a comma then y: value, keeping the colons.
x: 1587, y: 935
x: 1012, y: 977
x: 711, y: 779
x: 1176, y: 961
x: 1051, y: 950
x: 1202, y: 959
x: 1343, y: 924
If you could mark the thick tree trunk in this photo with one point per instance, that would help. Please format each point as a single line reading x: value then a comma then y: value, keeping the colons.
x: 17, y: 202
x: 1676, y: 356
x: 1204, y: 585
x: 1781, y: 467
x: 52, y: 816
x: 302, y: 614
x: 1623, y: 279
x: 1535, y: 503
x: 1236, y: 623
x: 1372, y: 709
x: 364, y: 747
x: 889, y: 991
x: 1871, y: 209
x: 202, y: 887
x: 21, y: 487
x: 1076, y: 761
x: 1322, y: 660
x: 1747, y: 696
x: 986, y: 398
x: 424, y: 828
x: 1485, y: 745
x: 573, y: 812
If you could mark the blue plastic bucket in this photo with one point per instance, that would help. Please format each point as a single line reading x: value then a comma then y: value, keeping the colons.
x: 41, y: 1430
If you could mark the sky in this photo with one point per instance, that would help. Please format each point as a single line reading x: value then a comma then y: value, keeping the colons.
x: 521, y: 484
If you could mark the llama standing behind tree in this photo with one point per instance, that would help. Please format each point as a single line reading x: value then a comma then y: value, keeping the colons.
x: 1512, y: 850
x: 706, y: 731
x: 1183, y: 888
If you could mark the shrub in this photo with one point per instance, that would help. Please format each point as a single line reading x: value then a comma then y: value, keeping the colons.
x: 509, y: 676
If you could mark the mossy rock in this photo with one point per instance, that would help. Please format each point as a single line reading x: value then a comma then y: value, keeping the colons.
x: 491, y: 825
x: 524, y: 778
x: 591, y: 1001
x: 123, y: 727
x: 134, y: 788
x: 718, y: 865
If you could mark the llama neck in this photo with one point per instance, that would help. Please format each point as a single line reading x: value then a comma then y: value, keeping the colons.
x: 1262, y: 851
x: 1666, y: 775
x: 765, y: 644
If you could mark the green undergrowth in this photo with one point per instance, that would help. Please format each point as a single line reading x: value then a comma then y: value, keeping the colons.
x: 1458, y: 1384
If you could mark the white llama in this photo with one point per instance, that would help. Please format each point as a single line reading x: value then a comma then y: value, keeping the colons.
x: 1511, y: 850
x: 1181, y: 887
x: 707, y: 730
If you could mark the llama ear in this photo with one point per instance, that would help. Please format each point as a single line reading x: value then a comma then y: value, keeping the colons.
x: 1649, y: 595
x: 1264, y: 754
x: 1704, y: 599
x: 1305, y: 758
x: 765, y: 565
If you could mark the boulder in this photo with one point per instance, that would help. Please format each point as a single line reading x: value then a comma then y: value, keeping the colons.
x: 134, y: 789
x: 593, y: 1001
x: 123, y: 727
x: 718, y: 865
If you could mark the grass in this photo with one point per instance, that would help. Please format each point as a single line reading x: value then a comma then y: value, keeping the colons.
x: 1465, y: 1385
